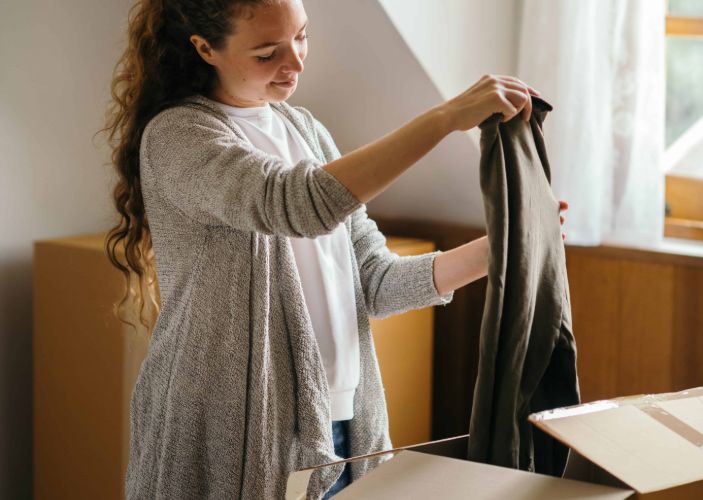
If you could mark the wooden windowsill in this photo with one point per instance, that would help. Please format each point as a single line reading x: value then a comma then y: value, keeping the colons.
x: 684, y: 198
x: 667, y: 251
x: 684, y: 228
x: 684, y: 26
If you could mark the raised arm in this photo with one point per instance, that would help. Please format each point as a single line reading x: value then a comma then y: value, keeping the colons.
x: 205, y: 171
x: 369, y: 170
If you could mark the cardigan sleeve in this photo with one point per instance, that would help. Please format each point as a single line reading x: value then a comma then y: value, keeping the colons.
x: 392, y: 284
x: 204, y: 170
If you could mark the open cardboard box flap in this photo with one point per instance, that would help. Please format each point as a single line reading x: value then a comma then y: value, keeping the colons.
x: 651, y: 443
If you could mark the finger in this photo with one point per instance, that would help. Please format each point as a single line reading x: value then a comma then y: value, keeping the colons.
x: 507, y: 108
x: 518, y: 99
x: 527, y: 112
x: 531, y: 90
x: 563, y: 236
x: 518, y: 86
x: 561, y: 220
x: 509, y: 84
x: 488, y: 81
x: 563, y: 205
x: 506, y: 83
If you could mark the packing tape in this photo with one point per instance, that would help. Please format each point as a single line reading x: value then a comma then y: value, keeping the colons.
x: 648, y: 404
x: 675, y: 424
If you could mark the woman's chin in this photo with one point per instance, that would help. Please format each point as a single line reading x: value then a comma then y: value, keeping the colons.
x: 281, y: 93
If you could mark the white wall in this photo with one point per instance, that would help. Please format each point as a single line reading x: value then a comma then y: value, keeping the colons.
x: 57, y: 59
x: 457, y: 41
x: 374, y: 65
x: 363, y: 78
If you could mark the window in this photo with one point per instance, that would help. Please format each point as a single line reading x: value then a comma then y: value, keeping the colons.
x: 684, y: 119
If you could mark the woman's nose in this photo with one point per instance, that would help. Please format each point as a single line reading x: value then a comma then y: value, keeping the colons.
x: 295, y: 61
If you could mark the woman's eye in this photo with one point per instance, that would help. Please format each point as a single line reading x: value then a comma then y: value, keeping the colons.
x: 270, y: 56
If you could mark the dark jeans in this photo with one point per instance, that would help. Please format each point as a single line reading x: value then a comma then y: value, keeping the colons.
x: 340, y: 436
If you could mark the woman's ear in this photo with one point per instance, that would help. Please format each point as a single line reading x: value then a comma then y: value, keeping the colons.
x: 203, y: 48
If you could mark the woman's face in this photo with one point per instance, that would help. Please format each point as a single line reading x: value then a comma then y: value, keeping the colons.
x: 261, y: 61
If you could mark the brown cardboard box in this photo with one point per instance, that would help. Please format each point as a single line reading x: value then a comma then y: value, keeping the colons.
x: 651, y: 443
x: 427, y: 471
x: 648, y: 447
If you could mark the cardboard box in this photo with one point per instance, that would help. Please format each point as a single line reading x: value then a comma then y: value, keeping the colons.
x: 651, y: 443
x: 647, y: 447
x: 429, y: 470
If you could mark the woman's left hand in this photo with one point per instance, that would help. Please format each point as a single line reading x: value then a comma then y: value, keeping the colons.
x: 562, y: 206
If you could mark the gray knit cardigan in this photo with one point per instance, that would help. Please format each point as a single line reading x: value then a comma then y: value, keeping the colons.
x: 232, y: 395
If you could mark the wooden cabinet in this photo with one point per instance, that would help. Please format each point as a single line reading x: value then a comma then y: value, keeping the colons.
x: 86, y: 362
x: 83, y: 372
x: 638, y: 320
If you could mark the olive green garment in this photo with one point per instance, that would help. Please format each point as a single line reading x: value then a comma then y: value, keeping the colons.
x: 527, y: 357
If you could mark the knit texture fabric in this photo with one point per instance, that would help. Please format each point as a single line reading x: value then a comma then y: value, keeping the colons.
x: 527, y: 359
x: 232, y: 395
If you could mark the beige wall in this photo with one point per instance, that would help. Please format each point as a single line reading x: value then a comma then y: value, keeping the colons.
x: 363, y: 78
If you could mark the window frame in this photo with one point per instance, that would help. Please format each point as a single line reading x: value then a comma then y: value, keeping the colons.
x: 684, y: 214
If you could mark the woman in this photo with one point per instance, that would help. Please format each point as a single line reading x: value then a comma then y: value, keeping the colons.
x: 261, y: 360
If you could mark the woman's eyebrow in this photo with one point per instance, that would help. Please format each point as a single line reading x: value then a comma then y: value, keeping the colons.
x: 273, y: 44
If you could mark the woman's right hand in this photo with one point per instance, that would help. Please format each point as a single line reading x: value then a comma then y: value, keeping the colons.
x: 491, y: 94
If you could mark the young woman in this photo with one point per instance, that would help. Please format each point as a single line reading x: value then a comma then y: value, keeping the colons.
x: 261, y: 360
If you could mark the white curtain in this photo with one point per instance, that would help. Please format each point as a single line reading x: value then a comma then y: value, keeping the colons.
x: 600, y: 63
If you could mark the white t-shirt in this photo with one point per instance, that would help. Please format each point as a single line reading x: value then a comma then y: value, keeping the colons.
x: 324, y: 265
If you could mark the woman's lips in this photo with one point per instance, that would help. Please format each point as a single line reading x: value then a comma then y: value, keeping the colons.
x: 287, y: 83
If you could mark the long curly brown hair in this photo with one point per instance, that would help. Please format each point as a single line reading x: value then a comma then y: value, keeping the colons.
x: 158, y: 67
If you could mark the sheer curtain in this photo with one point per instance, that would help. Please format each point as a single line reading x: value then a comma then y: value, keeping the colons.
x: 600, y: 63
